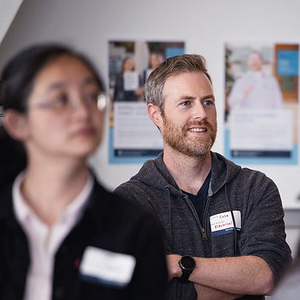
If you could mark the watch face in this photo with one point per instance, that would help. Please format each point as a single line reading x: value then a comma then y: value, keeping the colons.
x: 188, y: 263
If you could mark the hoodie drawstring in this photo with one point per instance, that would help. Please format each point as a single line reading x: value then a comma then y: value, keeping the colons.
x: 234, y: 224
x: 170, y: 214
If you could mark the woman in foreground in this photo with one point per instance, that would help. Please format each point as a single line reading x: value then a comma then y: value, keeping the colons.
x: 62, y: 235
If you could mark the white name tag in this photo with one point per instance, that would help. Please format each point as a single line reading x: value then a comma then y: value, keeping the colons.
x: 222, y: 223
x: 106, y: 267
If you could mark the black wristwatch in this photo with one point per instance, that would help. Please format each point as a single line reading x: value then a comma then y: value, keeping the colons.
x: 187, y: 265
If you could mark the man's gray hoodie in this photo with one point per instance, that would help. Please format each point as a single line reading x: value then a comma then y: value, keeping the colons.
x: 243, y: 216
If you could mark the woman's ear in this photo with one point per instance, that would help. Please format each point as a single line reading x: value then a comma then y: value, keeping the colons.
x: 15, y: 124
x: 155, y: 114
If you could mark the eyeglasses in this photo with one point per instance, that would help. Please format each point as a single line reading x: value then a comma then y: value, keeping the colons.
x: 65, y: 104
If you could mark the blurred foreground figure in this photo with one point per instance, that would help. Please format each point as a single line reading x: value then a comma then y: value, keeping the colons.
x: 62, y: 235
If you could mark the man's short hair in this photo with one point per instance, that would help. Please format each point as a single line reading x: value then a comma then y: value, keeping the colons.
x: 186, y: 63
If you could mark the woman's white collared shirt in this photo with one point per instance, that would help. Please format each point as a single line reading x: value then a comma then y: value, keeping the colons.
x: 43, y: 240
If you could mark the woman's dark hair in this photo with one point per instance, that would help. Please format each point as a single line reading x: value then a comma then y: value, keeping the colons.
x: 16, y: 83
x: 13, y: 158
x: 18, y: 75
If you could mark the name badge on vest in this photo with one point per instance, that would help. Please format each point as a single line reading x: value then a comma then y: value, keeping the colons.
x: 106, y: 267
x: 222, y: 223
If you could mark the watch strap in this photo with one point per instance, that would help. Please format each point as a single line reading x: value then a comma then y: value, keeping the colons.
x: 185, y: 275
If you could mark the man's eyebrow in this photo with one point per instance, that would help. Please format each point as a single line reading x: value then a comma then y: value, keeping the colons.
x: 212, y: 97
x: 188, y: 97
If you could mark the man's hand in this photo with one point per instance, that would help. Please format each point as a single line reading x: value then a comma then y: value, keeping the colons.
x: 173, y: 266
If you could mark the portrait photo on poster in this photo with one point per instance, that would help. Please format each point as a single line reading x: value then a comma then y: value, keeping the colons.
x: 133, y: 137
x: 261, y: 94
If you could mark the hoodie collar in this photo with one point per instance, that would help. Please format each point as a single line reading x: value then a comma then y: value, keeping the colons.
x: 223, y: 171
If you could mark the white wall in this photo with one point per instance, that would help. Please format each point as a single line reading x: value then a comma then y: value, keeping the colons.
x: 8, y: 10
x: 203, y: 25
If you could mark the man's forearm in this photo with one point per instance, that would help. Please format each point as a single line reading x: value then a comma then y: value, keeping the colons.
x: 207, y: 293
x: 245, y: 275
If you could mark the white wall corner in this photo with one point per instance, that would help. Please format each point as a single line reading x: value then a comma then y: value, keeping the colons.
x: 8, y: 10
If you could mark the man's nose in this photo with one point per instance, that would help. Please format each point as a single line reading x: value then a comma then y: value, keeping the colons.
x: 199, y: 111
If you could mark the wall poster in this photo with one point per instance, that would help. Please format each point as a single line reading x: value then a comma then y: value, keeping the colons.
x: 261, y: 103
x: 133, y: 137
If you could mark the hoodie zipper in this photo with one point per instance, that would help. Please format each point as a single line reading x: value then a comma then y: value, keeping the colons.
x: 203, y: 232
x: 207, y: 250
x: 202, y: 228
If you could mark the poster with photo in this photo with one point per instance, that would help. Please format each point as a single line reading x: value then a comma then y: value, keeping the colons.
x: 261, y: 103
x: 133, y: 137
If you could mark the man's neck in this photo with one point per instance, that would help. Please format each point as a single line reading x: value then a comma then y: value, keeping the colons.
x: 188, y: 172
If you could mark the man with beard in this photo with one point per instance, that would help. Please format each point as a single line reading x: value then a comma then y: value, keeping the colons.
x: 224, y: 229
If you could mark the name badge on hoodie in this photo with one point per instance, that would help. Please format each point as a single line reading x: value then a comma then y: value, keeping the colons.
x: 106, y: 267
x: 222, y: 223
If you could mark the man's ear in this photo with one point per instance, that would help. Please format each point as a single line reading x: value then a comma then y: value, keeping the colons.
x: 15, y: 124
x: 155, y: 114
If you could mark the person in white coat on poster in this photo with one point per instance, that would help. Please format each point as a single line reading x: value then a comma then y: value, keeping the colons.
x: 255, y: 89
